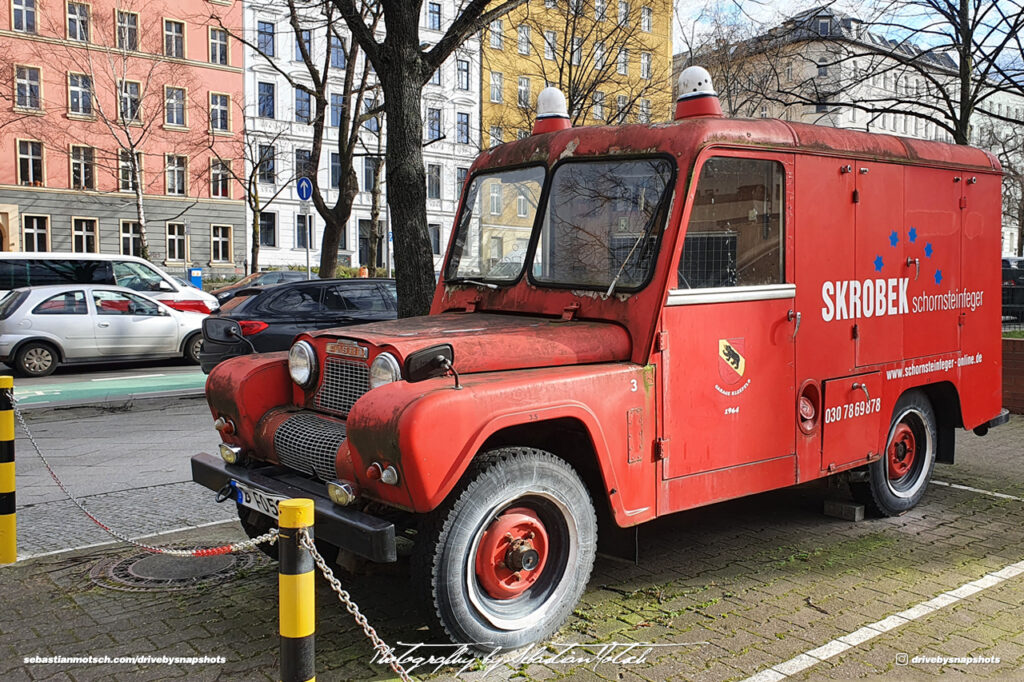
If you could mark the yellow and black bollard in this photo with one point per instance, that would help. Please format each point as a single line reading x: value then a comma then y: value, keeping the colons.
x: 8, y: 518
x: 297, y: 611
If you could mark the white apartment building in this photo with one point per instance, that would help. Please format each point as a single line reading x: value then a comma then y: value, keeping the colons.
x: 823, y: 51
x: 276, y: 117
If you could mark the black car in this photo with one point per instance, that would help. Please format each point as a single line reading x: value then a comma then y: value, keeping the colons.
x: 1013, y: 287
x: 265, y: 320
x: 267, y: 278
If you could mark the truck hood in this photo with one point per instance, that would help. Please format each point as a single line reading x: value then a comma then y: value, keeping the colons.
x: 484, y: 342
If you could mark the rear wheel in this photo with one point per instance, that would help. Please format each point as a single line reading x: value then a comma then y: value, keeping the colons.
x: 897, y: 481
x: 36, y: 359
x: 193, y: 346
x: 507, y: 559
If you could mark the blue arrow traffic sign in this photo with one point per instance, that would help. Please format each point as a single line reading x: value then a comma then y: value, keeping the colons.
x: 305, y: 188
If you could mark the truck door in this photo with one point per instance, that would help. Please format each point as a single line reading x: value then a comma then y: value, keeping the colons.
x: 728, y: 336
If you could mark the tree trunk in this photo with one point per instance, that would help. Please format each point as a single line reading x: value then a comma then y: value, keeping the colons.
x: 1020, y: 217
x: 334, y: 224
x: 375, y: 232
x: 254, y: 204
x: 140, y: 206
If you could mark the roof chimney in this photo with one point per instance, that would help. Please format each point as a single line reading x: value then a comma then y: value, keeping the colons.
x: 697, y: 97
x: 552, y: 113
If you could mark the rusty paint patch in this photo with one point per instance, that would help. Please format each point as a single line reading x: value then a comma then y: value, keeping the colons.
x: 570, y: 148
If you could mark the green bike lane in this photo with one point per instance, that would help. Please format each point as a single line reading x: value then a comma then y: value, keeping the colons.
x: 147, y: 383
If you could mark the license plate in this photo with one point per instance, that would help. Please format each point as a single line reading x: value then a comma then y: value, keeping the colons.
x: 253, y: 498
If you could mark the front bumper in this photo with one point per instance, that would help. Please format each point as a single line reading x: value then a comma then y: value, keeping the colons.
x: 351, y: 530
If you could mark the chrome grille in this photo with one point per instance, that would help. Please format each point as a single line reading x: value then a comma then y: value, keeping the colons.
x: 343, y: 384
x: 309, y: 444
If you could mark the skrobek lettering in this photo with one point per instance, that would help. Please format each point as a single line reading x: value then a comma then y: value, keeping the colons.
x: 852, y: 299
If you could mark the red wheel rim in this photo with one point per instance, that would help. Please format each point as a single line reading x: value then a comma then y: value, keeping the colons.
x: 902, y: 450
x: 512, y: 553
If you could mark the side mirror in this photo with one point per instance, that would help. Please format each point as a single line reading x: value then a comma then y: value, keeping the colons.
x: 222, y: 330
x: 428, y: 363
x: 164, y: 285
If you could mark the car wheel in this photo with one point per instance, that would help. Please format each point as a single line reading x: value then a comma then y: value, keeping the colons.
x: 897, y: 481
x: 193, y: 346
x: 255, y: 524
x: 36, y: 359
x: 508, y: 557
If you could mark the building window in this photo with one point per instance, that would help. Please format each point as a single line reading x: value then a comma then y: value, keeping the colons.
x: 265, y: 100
x: 496, y: 199
x: 646, y: 19
x: 645, y: 65
x: 174, y: 39
x: 435, y: 78
x: 523, y: 98
x: 824, y: 27
x: 303, y: 227
x: 176, y: 241
x: 373, y: 123
x: 822, y: 69
x: 220, y: 177
x: 497, y: 83
x: 460, y: 178
x: 266, y: 171
x: 621, y: 104
x: 36, y: 229
x: 127, y: 178
x: 27, y: 87
x: 129, y: 108
x: 335, y: 170
x: 220, y: 247
x: 131, y: 238
x: 576, y: 56
x: 495, y: 136
x: 30, y: 163
x: 303, y: 105
x: 83, y: 168
x: 337, y: 104
x: 550, y: 44
x: 25, y: 16
x: 303, y: 38
x: 521, y: 205
x: 435, y: 238
x: 462, y: 128
x: 78, y: 22
x: 623, y: 63
x: 265, y: 38
x: 433, y: 124
x: 80, y: 94
x: 83, y: 235
x: 174, y: 106
x: 218, y: 46
x: 600, y: 10
x: 598, y: 108
x: 371, y: 165
x: 434, y: 16
x: 219, y: 112
x: 176, y: 175
x: 268, y: 229
x: 497, y: 38
x: 127, y: 30
x: 462, y: 72
x: 433, y: 181
x: 623, y: 13
x: 523, y: 43
x: 304, y: 164
x: 338, y: 55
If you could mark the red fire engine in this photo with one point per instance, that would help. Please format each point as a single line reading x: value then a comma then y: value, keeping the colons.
x: 633, y: 321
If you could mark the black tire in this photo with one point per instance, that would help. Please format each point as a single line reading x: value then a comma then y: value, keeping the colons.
x: 255, y: 524
x: 503, y: 485
x: 897, y: 481
x: 193, y: 346
x: 36, y: 359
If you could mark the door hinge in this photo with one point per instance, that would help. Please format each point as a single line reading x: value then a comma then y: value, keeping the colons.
x: 569, y: 312
x: 661, y: 341
x: 961, y: 319
x: 855, y: 332
x: 660, y: 449
x: 963, y: 202
x: 471, y: 305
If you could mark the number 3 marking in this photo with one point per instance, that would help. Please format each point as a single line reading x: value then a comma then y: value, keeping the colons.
x: 633, y: 386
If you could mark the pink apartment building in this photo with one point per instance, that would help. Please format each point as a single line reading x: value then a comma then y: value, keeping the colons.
x: 119, y: 114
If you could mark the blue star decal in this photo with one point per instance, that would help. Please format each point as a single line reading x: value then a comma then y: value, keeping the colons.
x: 938, y: 276
x: 878, y: 263
x: 912, y: 235
x: 894, y: 238
x: 928, y: 250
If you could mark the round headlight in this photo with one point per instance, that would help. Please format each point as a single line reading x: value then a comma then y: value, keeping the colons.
x: 302, y: 363
x: 384, y: 370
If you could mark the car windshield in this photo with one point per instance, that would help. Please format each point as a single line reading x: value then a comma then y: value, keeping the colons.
x: 496, y: 223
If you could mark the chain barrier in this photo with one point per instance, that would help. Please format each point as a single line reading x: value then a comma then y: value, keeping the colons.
x: 268, y: 537
x: 378, y: 644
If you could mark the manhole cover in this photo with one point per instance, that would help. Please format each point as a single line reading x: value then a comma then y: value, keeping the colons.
x: 162, y: 572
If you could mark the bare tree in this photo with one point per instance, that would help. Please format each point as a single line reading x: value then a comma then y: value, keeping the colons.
x: 1007, y: 143
x: 404, y: 65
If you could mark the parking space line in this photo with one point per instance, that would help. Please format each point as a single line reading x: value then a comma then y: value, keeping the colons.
x: 837, y: 646
x: 1002, y: 496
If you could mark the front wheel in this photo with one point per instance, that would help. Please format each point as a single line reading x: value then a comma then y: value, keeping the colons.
x: 193, y: 346
x: 897, y: 481
x: 509, y: 557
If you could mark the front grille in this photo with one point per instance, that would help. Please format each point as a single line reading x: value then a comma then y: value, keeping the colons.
x: 343, y: 384
x: 309, y: 444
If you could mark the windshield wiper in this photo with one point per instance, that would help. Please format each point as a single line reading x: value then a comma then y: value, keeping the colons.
x: 625, y: 261
x: 464, y: 280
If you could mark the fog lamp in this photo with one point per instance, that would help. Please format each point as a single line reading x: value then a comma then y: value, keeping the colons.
x: 341, y: 492
x: 231, y: 454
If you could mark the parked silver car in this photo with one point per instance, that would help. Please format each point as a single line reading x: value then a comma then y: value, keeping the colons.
x: 43, y: 327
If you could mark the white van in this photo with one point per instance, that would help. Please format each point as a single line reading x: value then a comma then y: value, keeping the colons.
x: 28, y: 269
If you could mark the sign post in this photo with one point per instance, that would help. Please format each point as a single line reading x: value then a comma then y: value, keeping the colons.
x: 304, y: 188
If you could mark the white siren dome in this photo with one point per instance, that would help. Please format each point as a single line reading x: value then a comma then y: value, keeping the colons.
x: 695, y: 81
x: 551, y: 103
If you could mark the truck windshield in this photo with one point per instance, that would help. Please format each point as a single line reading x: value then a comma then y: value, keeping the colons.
x: 602, y: 223
x: 495, y: 226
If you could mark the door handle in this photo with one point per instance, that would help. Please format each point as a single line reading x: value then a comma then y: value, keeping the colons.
x: 862, y: 387
x: 793, y: 315
x: 103, y: 324
x: 917, y: 264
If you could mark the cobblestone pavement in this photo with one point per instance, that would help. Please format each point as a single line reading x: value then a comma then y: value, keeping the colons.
x: 734, y: 590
